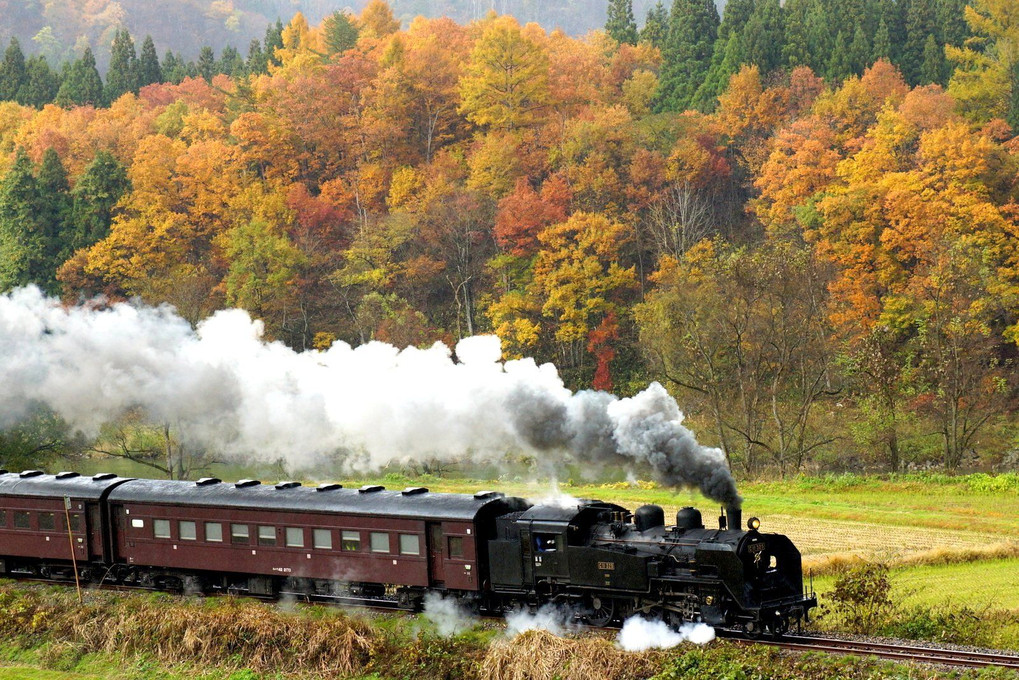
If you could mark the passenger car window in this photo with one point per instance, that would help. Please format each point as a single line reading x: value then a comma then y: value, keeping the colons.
x: 21, y: 520
x: 456, y: 546
x: 213, y: 532
x: 47, y: 521
x: 380, y: 542
x: 266, y: 535
x: 239, y: 533
x: 410, y: 544
x: 322, y: 539
x: 187, y: 531
x: 351, y: 541
x: 161, y: 528
x: 295, y: 537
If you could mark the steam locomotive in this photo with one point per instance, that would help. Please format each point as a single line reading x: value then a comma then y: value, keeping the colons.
x: 381, y: 547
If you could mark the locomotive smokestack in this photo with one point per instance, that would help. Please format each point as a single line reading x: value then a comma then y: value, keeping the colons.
x: 734, y: 517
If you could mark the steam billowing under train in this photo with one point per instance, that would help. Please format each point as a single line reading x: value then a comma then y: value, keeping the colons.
x: 374, y: 546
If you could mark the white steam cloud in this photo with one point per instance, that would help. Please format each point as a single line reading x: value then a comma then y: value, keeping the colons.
x: 552, y: 618
x: 639, y: 634
x: 446, y: 614
x: 227, y: 391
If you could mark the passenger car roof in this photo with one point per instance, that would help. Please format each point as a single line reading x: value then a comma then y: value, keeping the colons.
x: 290, y: 496
x: 35, y: 484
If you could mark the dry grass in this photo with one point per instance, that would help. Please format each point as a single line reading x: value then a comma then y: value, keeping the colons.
x: 223, y: 633
x: 540, y: 655
x: 821, y: 565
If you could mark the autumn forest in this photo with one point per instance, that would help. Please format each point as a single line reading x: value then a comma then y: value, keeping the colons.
x: 801, y: 218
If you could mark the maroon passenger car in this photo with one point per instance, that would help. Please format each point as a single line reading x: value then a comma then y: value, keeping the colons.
x: 325, y: 542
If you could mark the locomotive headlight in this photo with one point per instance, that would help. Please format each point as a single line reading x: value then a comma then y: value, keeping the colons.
x: 754, y: 524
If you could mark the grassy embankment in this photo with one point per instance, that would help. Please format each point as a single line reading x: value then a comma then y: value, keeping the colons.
x: 144, y: 637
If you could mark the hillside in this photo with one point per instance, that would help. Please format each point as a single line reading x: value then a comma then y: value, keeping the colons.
x: 60, y: 29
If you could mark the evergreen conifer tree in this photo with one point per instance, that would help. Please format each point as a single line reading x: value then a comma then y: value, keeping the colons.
x: 727, y: 55
x: 656, y: 26
x: 122, y: 76
x: 273, y: 41
x: 820, y: 39
x: 54, y: 214
x: 921, y: 24
x: 82, y: 84
x: 174, y: 68
x: 796, y: 50
x: 839, y: 65
x: 932, y: 69
x: 21, y: 244
x: 149, y: 71
x: 257, y: 61
x: 1012, y: 115
x: 13, y: 75
x: 764, y: 36
x: 693, y: 27
x: 859, y: 52
x: 230, y: 62
x: 206, y: 63
x: 41, y: 83
x: 103, y: 182
x: 340, y: 32
x: 882, y: 48
x: 620, y: 24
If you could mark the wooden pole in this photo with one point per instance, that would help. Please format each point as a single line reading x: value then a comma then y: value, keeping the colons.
x: 70, y: 539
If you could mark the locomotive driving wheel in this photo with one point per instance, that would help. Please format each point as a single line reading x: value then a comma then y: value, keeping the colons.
x: 600, y: 611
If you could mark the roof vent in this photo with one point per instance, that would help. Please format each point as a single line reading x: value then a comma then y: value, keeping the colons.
x: 370, y: 488
x: 287, y: 485
x: 328, y: 487
x: 245, y: 483
x: 4, y: 471
x: 208, y: 481
x: 485, y: 495
x: 102, y: 476
x: 30, y: 473
x: 414, y: 491
x: 67, y: 475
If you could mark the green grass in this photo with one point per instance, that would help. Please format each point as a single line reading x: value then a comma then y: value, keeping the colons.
x: 978, y: 585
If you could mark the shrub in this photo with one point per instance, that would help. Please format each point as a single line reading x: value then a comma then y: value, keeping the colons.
x: 863, y: 597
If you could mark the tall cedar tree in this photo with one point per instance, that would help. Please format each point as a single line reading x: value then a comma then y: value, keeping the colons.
x: 21, y: 241
x: 54, y: 214
x: 763, y: 36
x: 820, y: 36
x: 122, y: 76
x: 273, y: 41
x: 149, y: 71
x: 41, y: 85
x: 932, y: 69
x: 13, y: 75
x: 796, y: 50
x: 230, y: 63
x: 82, y: 85
x: 258, y: 61
x: 620, y: 23
x: 693, y: 28
x: 882, y: 48
x: 921, y: 23
x: 94, y: 197
x: 206, y: 63
x: 339, y: 32
x: 727, y: 54
x: 656, y: 26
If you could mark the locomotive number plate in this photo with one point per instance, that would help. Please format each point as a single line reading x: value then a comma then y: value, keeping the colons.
x: 607, y: 566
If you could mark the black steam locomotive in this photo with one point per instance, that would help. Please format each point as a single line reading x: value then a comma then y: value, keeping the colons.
x: 374, y: 546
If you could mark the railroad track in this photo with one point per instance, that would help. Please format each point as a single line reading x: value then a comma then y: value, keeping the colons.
x: 892, y: 651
